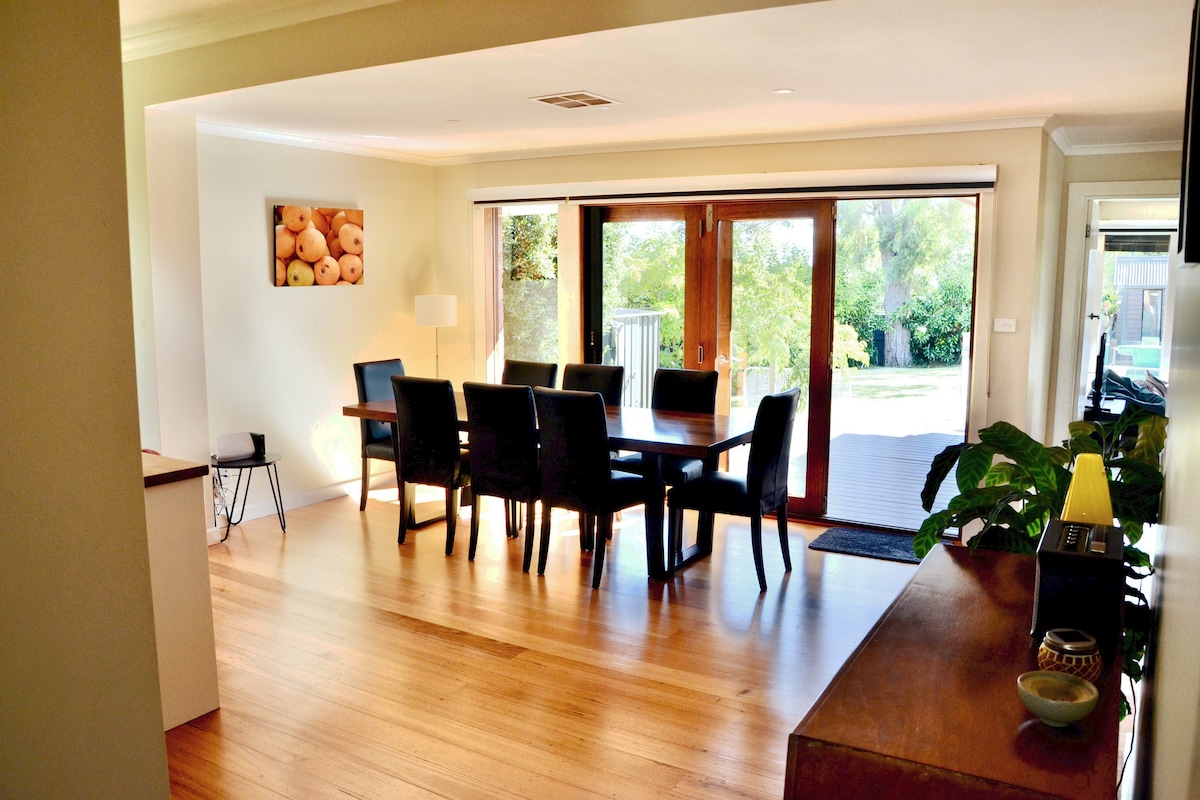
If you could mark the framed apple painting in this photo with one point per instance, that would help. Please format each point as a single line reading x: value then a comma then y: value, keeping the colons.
x: 318, y: 246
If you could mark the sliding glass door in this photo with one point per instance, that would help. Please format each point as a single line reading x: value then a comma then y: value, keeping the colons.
x: 742, y: 288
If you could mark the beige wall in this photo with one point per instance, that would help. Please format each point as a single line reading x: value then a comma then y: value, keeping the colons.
x: 80, y: 706
x: 1020, y: 228
x: 1027, y: 180
x: 386, y: 34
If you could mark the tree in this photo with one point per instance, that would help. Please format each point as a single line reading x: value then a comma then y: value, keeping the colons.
x: 529, y: 286
x: 910, y: 251
x: 772, y: 299
x: 643, y: 269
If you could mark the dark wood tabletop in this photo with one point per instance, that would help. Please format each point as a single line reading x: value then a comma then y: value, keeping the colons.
x: 641, y: 429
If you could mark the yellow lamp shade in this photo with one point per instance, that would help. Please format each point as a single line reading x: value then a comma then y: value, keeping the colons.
x: 1088, y: 501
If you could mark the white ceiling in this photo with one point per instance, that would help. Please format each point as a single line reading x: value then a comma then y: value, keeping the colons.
x: 1101, y: 75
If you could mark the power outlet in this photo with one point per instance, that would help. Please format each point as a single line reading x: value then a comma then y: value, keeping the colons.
x: 1004, y: 325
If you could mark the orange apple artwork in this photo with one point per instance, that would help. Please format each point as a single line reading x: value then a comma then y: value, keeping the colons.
x: 318, y: 246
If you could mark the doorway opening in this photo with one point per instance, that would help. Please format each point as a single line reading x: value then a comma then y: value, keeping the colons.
x: 903, y: 307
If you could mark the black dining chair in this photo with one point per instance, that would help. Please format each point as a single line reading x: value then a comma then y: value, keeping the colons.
x: 504, y: 453
x: 576, y: 473
x: 525, y: 373
x: 690, y: 390
x: 761, y: 490
x: 374, y: 382
x: 427, y: 447
x: 609, y: 381
x: 529, y: 373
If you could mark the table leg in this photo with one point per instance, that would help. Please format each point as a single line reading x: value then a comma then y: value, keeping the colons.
x: 655, y: 493
x: 229, y: 520
x: 276, y: 493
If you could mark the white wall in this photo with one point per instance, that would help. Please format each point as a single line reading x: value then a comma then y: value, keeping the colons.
x: 278, y: 360
x: 1177, y: 707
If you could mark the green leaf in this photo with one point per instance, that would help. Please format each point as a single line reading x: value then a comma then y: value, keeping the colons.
x: 974, y: 463
x: 943, y: 462
x: 1010, y: 441
x: 1151, y: 439
x: 1135, y: 557
x: 931, y: 532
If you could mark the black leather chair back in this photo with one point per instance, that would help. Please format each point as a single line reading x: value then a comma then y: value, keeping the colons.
x: 426, y: 431
x: 609, y: 381
x: 374, y: 381
x: 692, y: 390
x: 770, y: 449
x: 574, y: 449
x: 529, y: 373
x: 504, y: 441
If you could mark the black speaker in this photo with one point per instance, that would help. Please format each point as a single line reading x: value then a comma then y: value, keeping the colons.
x: 260, y: 444
x: 1080, y: 582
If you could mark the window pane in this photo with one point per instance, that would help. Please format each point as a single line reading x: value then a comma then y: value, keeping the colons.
x: 529, y: 282
x: 643, y: 301
x: 772, y: 321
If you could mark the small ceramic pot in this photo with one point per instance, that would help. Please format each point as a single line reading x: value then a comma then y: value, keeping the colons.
x: 1070, y: 651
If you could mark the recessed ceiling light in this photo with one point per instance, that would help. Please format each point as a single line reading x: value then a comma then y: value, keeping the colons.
x: 784, y: 91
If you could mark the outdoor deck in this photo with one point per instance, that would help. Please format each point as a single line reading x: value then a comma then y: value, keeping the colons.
x: 877, y: 480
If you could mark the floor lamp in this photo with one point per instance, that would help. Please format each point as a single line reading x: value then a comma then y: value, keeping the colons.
x: 436, y: 311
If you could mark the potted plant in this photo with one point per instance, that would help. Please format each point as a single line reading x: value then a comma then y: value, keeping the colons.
x: 1013, y: 486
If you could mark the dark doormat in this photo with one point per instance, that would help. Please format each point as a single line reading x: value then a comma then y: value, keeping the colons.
x: 872, y: 544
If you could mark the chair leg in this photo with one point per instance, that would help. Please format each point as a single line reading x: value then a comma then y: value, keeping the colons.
x: 704, y: 532
x: 530, y: 507
x: 544, y: 544
x: 604, y: 524
x: 512, y: 519
x: 451, y: 516
x: 474, y: 527
x: 587, y: 532
x: 405, y: 511
x: 756, y: 546
x: 781, y: 520
x: 366, y: 484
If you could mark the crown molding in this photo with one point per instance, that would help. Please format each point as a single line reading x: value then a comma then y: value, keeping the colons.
x: 217, y: 129
x: 197, y: 28
x: 1068, y: 148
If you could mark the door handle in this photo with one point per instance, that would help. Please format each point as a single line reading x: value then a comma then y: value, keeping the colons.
x: 700, y: 354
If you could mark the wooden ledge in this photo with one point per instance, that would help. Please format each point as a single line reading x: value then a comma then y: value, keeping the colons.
x: 158, y: 470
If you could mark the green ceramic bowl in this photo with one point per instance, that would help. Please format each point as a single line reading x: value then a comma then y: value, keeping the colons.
x: 1057, y: 698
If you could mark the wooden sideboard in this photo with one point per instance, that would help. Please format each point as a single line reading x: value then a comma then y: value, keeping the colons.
x: 927, y: 705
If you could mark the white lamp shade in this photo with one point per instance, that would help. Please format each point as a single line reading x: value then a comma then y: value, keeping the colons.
x: 436, y: 310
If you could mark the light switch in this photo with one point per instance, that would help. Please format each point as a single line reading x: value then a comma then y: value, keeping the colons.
x: 1004, y: 325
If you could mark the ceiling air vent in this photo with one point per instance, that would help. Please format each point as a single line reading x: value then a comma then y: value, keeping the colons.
x: 574, y: 100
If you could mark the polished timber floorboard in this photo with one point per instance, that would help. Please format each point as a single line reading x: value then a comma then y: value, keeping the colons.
x: 351, y: 667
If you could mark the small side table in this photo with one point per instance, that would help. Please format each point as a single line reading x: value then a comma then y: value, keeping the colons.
x: 267, y: 460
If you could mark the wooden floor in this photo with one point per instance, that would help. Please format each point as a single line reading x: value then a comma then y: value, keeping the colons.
x: 353, y: 667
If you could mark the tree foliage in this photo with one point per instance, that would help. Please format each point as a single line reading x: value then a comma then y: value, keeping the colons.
x: 644, y: 269
x: 772, y: 299
x: 529, y: 286
x: 904, y: 267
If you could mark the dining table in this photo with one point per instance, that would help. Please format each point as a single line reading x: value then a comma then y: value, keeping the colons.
x: 653, y: 433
